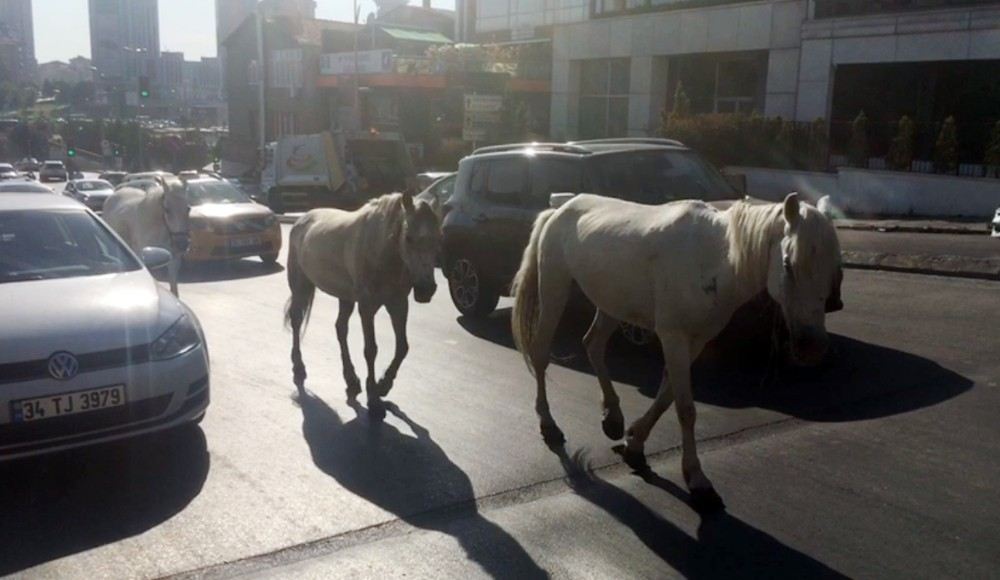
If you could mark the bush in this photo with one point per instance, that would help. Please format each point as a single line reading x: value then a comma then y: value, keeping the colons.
x: 818, y: 149
x: 901, y: 150
x: 857, y: 149
x: 681, y: 110
x: 946, y: 148
x: 992, y: 158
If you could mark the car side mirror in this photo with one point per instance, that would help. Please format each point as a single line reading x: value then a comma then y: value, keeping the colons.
x: 155, y: 258
x: 557, y: 200
x: 738, y: 181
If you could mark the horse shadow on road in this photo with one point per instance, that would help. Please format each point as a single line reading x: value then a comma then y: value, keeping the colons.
x: 66, y: 503
x: 725, y: 547
x: 197, y: 272
x: 412, y: 478
x: 859, y: 381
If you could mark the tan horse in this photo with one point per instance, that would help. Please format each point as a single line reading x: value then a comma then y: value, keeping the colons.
x: 371, y: 257
x: 157, y: 217
x: 688, y: 267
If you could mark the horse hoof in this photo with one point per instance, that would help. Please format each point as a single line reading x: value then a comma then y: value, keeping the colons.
x: 553, y: 435
x: 635, y: 459
x: 706, y: 501
x: 613, y: 424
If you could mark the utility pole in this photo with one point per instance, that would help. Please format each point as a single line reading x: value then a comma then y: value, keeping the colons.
x: 261, y: 81
x: 357, y: 74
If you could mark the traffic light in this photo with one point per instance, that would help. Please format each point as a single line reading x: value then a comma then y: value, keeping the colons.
x: 71, y: 152
x: 143, y: 87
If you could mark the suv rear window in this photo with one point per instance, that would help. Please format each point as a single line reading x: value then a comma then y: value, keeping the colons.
x: 507, y: 180
x: 655, y: 177
x: 553, y: 175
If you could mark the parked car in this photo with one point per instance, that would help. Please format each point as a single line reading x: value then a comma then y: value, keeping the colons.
x: 112, y: 177
x: 28, y: 164
x: 129, y: 177
x: 24, y: 186
x: 227, y: 224
x: 53, y: 170
x: 90, y: 192
x: 438, y: 192
x: 92, y: 348
x: 995, y: 231
x: 7, y: 171
x: 424, y: 180
x: 499, y: 191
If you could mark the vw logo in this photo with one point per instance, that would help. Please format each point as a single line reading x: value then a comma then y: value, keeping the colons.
x: 63, y: 366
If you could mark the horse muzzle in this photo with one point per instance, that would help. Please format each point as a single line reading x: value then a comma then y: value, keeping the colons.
x: 424, y: 292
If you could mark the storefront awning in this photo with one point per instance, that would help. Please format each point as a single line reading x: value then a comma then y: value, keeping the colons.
x: 416, y: 35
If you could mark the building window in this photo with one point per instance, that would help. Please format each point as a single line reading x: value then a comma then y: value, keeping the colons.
x: 837, y: 8
x: 604, y: 85
x: 284, y: 124
x: 737, y: 84
x: 720, y: 83
x: 286, y: 69
x: 618, y: 7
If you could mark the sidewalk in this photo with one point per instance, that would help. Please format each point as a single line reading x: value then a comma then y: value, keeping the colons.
x: 915, y: 226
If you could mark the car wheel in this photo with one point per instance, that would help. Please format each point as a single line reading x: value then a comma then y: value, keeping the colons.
x: 471, y: 294
x: 269, y: 259
x: 636, y: 335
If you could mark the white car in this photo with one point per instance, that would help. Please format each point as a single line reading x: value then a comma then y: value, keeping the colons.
x: 92, y: 348
x: 995, y: 230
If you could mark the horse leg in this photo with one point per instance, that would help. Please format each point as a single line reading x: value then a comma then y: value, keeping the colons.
x: 398, y: 312
x: 554, y: 287
x: 350, y: 375
x: 375, y: 407
x: 173, y: 271
x: 596, y: 343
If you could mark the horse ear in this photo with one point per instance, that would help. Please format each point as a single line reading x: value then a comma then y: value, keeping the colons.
x: 408, y: 202
x: 792, y: 215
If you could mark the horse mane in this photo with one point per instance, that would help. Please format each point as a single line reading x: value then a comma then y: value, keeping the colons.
x: 751, y: 231
x: 383, y: 226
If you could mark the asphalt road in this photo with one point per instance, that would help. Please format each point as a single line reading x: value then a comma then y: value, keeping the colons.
x: 971, y: 246
x: 884, y: 464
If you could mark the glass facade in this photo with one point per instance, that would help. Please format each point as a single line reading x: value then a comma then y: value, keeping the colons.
x: 604, y: 85
x: 837, y: 8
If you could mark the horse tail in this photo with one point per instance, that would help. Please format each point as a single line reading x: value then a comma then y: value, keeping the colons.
x: 299, y: 305
x: 524, y: 319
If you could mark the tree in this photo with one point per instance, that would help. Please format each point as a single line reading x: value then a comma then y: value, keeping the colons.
x: 47, y: 88
x: 992, y: 160
x: 946, y: 148
x: 857, y: 150
x: 681, y: 110
x: 901, y: 150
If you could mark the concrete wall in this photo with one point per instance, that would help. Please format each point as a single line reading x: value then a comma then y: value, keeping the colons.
x: 941, y: 35
x: 860, y: 192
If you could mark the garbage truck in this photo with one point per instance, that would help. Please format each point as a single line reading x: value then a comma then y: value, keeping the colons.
x: 302, y: 172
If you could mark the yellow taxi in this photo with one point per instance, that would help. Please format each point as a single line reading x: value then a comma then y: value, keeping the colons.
x: 226, y: 224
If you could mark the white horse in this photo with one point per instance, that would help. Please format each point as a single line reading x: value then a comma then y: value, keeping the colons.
x: 371, y: 257
x: 681, y: 269
x: 154, y: 217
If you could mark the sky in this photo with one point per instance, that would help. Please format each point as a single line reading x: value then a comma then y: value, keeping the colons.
x: 62, y: 26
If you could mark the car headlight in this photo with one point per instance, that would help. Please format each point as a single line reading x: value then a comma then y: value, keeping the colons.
x: 180, y: 338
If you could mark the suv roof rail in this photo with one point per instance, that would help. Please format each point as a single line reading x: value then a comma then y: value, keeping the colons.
x: 636, y: 140
x: 559, y: 147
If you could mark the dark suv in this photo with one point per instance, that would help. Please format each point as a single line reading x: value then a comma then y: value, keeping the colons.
x: 500, y: 190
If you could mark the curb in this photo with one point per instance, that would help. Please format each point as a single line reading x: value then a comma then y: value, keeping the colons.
x: 950, y: 266
x: 913, y: 229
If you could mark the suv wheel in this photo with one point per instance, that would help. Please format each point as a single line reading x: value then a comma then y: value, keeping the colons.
x: 472, y: 295
x: 635, y: 335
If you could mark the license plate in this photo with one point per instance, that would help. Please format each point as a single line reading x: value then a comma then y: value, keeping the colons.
x: 27, y: 410
x: 244, y: 242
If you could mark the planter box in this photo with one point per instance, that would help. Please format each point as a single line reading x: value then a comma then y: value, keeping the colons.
x: 869, y: 193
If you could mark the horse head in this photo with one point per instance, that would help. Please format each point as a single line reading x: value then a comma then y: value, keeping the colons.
x: 176, y: 212
x: 420, y: 243
x: 804, y: 277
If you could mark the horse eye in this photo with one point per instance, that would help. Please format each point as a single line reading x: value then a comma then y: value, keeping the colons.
x: 787, y: 263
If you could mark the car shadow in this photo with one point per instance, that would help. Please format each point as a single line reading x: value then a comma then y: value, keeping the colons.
x: 69, y: 502
x: 725, y: 547
x: 197, y: 272
x: 411, y: 477
x: 859, y: 381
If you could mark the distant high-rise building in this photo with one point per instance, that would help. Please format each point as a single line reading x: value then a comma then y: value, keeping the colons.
x: 229, y: 15
x: 17, y: 32
x: 124, y: 38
